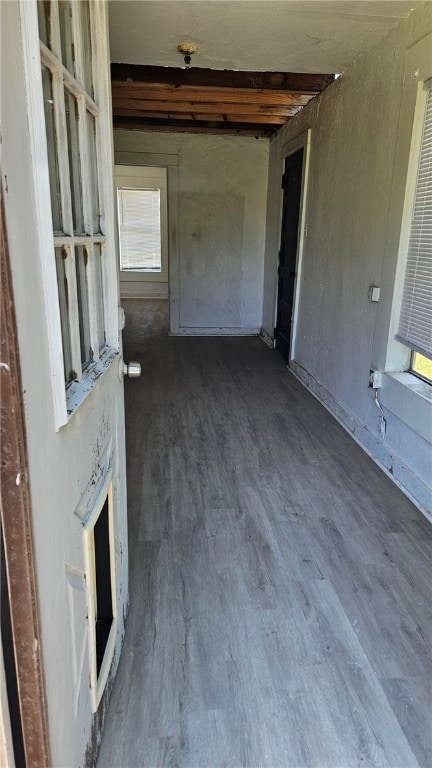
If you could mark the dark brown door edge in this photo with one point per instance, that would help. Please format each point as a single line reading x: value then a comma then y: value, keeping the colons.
x: 17, y: 531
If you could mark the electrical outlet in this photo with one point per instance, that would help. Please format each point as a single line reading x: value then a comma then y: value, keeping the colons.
x: 375, y: 379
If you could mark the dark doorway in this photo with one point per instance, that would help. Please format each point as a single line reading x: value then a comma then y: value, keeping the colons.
x: 104, y: 604
x: 291, y: 185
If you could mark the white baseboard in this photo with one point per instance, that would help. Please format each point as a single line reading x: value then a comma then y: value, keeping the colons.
x: 393, y: 466
x: 267, y: 339
x: 245, y: 331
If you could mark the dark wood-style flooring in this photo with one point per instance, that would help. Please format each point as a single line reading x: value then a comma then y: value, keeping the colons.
x: 280, y: 611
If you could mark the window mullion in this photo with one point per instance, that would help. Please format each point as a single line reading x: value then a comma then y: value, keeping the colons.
x: 77, y: 239
x: 94, y: 33
x: 92, y: 310
x: 63, y: 161
x: 76, y: 33
x: 55, y: 29
x: 85, y: 166
x: 73, y: 313
x: 50, y: 60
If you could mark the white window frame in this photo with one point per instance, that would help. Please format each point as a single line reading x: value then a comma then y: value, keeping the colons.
x: 142, y: 177
x: 66, y: 401
x: 402, y: 392
x: 413, y: 213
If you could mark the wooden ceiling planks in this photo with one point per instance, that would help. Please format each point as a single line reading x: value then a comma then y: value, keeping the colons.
x: 209, y: 101
x: 209, y: 117
x: 286, y: 81
x: 167, y: 92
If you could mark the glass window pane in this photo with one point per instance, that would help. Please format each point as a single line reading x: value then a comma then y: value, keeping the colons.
x: 99, y: 296
x: 61, y: 254
x: 81, y: 261
x: 140, y: 229
x: 74, y: 161
x: 91, y: 131
x: 52, y: 149
x: 67, y: 48
x: 421, y: 365
x: 44, y: 17
x: 86, y: 47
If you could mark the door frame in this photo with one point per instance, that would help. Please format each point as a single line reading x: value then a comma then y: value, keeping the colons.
x: 302, y: 141
x: 15, y: 507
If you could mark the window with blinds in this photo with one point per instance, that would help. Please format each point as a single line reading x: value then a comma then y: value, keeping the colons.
x: 140, y: 229
x: 415, y: 320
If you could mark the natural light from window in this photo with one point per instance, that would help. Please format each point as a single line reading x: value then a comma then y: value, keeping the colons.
x: 421, y: 366
x: 140, y: 230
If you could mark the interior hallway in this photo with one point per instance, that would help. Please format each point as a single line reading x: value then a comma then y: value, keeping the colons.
x: 279, y: 581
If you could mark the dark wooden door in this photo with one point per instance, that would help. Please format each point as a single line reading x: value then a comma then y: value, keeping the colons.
x: 291, y: 184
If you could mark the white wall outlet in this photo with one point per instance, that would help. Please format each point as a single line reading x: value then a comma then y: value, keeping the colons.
x: 374, y: 293
x: 375, y: 379
x: 121, y: 318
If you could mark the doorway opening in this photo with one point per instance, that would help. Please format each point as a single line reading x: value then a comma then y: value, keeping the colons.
x: 287, y: 270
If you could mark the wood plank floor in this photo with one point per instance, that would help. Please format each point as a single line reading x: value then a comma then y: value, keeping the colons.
x: 280, y: 609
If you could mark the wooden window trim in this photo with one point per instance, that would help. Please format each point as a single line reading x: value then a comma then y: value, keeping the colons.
x: 16, y: 519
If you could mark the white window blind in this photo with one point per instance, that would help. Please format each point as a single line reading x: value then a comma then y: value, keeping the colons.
x: 140, y: 229
x: 415, y: 321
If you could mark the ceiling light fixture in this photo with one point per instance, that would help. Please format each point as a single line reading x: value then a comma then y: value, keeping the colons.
x: 187, y: 50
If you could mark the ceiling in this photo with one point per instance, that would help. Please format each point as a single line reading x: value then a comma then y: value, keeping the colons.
x: 255, y: 36
x: 207, y: 100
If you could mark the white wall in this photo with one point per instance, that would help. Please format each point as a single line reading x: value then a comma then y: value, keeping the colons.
x: 352, y: 182
x: 216, y: 269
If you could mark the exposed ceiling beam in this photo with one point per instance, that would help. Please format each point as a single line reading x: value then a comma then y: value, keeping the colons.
x: 165, y: 92
x: 231, y: 129
x: 288, y: 81
x: 207, y: 117
x: 139, y: 108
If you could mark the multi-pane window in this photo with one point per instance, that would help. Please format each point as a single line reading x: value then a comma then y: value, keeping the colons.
x: 415, y: 320
x: 67, y: 42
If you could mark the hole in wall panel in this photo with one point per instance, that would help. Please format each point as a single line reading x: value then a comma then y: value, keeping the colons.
x: 103, y: 599
x: 100, y: 577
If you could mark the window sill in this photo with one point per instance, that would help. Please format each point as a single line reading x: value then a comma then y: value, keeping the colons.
x: 410, y: 399
x: 143, y: 276
x: 77, y: 391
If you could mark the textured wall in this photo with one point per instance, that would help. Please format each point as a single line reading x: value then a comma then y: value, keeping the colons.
x: 221, y: 226
x: 353, y: 146
x: 144, y: 318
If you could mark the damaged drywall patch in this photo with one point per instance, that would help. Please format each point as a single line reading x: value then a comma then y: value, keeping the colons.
x: 97, y: 725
